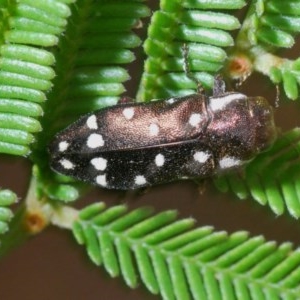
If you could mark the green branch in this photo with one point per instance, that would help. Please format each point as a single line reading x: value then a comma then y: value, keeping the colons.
x: 268, y: 26
x: 179, y: 262
x: 203, y: 30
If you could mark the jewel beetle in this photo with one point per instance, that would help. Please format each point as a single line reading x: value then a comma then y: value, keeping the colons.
x: 133, y: 145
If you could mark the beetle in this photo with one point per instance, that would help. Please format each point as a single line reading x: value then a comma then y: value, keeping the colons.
x: 134, y: 145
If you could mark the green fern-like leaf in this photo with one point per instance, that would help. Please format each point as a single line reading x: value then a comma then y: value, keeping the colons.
x: 280, y: 23
x: 7, y: 198
x: 179, y: 262
x: 272, y: 178
x: 26, y: 71
x: 270, y: 25
x: 273, y: 23
x: 288, y: 72
x: 202, y: 29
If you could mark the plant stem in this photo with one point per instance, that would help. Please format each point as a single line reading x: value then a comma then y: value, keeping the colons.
x: 29, y: 219
x: 32, y: 217
x: 263, y: 61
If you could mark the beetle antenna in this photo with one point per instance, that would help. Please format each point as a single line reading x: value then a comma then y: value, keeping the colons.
x: 219, y: 86
x: 276, y: 104
x: 187, y: 70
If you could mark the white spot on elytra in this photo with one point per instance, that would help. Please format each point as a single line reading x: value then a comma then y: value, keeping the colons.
x: 159, y: 160
x: 201, y: 156
x: 67, y: 164
x: 139, y: 180
x: 91, y: 122
x: 170, y: 101
x: 101, y: 180
x: 195, y: 119
x: 229, y: 162
x: 99, y: 163
x: 128, y: 113
x: 95, y: 140
x: 63, y: 146
x: 153, y: 129
x: 218, y: 103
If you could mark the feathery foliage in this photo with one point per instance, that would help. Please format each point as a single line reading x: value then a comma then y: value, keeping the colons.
x: 204, y: 30
x: 25, y: 69
x: 7, y: 198
x: 178, y: 261
x: 280, y: 189
x: 271, y: 25
x: 74, y: 54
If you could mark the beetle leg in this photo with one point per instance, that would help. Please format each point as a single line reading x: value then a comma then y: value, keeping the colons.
x: 125, y: 100
x: 201, y: 185
x: 187, y: 69
x: 219, y: 86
